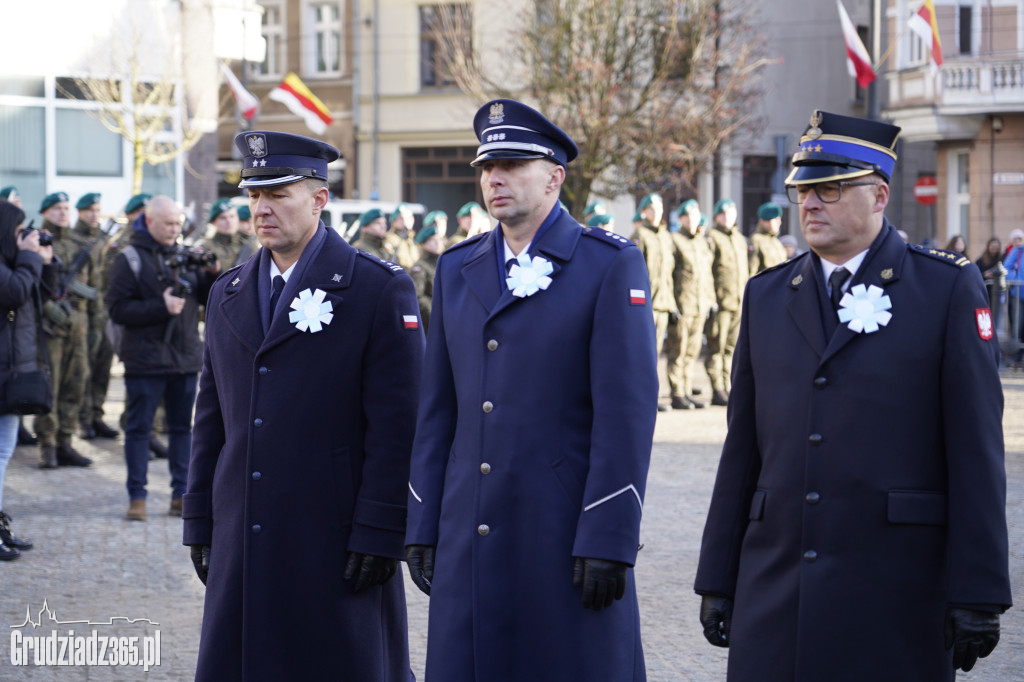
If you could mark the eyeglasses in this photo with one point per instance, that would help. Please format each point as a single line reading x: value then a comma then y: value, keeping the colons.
x: 828, y: 192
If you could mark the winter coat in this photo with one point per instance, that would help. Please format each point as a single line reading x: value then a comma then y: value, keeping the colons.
x: 19, y: 325
x: 862, y: 478
x: 300, y: 455
x: 532, y: 446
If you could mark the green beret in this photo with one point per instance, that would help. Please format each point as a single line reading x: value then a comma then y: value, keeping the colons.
x: 396, y: 212
x: 647, y: 200
x: 599, y: 220
x: 426, y: 232
x: 88, y: 200
x: 369, y: 216
x: 219, y: 207
x: 432, y: 217
x: 244, y: 213
x: 594, y: 208
x: 637, y: 217
x: 51, y: 199
x: 467, y: 208
x: 769, y: 211
x: 7, y: 192
x: 723, y: 204
x: 703, y: 221
x: 685, y: 207
x: 136, y: 202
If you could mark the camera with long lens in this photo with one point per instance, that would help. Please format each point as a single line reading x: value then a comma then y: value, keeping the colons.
x: 185, y: 258
x: 45, y: 238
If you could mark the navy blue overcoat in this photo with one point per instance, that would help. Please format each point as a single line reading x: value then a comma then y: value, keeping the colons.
x: 300, y: 455
x: 532, y: 447
x: 861, y: 487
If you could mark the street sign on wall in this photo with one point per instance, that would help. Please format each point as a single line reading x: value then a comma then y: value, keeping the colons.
x: 926, y: 190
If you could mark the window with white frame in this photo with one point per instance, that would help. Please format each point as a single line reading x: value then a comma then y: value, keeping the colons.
x: 959, y: 201
x: 273, y: 66
x: 322, y: 39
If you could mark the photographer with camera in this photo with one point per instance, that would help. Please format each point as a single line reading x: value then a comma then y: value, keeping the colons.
x: 154, y: 291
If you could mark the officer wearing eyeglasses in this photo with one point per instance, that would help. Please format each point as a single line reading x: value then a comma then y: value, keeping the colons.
x: 857, y: 528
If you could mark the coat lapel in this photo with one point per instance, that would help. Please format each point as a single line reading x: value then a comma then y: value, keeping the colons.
x: 330, y: 271
x: 556, y: 245
x: 240, y: 306
x: 480, y: 270
x: 805, y: 307
x: 880, y: 268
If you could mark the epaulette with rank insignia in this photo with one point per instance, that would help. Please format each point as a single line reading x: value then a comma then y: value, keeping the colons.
x: 607, y: 237
x: 948, y: 257
x: 393, y: 268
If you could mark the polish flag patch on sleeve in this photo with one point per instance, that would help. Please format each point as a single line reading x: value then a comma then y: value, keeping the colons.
x: 983, y: 316
x: 411, y: 321
x: 637, y: 297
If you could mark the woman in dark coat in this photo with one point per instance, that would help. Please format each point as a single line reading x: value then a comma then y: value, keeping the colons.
x: 21, y: 267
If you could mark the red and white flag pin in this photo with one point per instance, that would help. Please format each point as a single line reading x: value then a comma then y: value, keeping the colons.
x: 637, y: 297
x: 411, y: 321
x: 983, y: 316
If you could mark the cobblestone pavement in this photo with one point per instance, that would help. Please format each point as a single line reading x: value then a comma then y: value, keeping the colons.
x: 90, y: 564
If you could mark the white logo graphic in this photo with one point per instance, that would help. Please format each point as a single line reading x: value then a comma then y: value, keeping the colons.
x: 257, y: 144
x: 66, y: 648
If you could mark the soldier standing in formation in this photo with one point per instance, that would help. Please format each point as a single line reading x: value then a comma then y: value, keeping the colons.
x: 694, y: 290
x: 226, y: 242
x: 857, y: 529
x: 399, y: 237
x: 729, y: 266
x: 247, y: 230
x: 766, y: 251
x: 66, y: 323
x: 431, y: 242
x: 655, y: 242
x: 101, y: 354
x: 373, y: 230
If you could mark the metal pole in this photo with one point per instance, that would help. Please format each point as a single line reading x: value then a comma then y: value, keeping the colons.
x: 876, y: 50
x: 357, y: 65
x: 375, y: 190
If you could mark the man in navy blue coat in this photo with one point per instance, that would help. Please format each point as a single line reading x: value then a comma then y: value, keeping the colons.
x: 857, y: 529
x: 295, y: 507
x: 534, y: 432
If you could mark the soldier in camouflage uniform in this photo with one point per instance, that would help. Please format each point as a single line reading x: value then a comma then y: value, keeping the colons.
x: 766, y: 250
x: 87, y: 233
x: 399, y: 237
x: 226, y: 242
x: 66, y: 323
x: 655, y: 242
x: 248, y: 230
x: 729, y: 266
x: 431, y: 243
x: 694, y: 290
x: 373, y: 228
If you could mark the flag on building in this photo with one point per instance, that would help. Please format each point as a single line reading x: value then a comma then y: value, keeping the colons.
x: 924, y: 25
x: 858, y: 62
x: 294, y: 94
x: 247, y: 102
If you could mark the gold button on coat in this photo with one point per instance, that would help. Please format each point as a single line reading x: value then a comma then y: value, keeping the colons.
x: 492, y: 345
x: 483, y: 529
x: 485, y: 468
x: 488, y: 406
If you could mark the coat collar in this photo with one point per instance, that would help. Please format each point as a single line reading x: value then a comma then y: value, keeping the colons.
x: 557, y: 244
x: 330, y: 270
x: 809, y: 304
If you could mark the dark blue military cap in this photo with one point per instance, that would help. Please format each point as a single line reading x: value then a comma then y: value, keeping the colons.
x: 836, y: 147
x: 508, y: 129
x: 271, y: 159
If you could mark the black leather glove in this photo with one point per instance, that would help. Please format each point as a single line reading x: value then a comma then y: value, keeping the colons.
x: 201, y: 560
x: 421, y: 565
x: 369, y: 570
x: 716, y: 617
x: 603, y: 581
x: 971, y: 635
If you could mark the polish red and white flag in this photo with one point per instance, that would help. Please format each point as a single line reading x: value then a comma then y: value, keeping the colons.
x: 637, y: 296
x: 858, y: 62
x: 411, y: 321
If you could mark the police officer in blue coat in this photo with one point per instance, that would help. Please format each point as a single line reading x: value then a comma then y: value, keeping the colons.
x: 295, y: 508
x: 534, y: 432
x: 857, y: 529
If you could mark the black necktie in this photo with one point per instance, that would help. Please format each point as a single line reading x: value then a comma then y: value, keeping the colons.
x: 836, y: 281
x: 276, y: 296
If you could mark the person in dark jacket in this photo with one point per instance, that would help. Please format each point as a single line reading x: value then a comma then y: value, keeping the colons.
x: 155, y: 291
x: 295, y: 510
x: 857, y: 528
x: 22, y: 264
